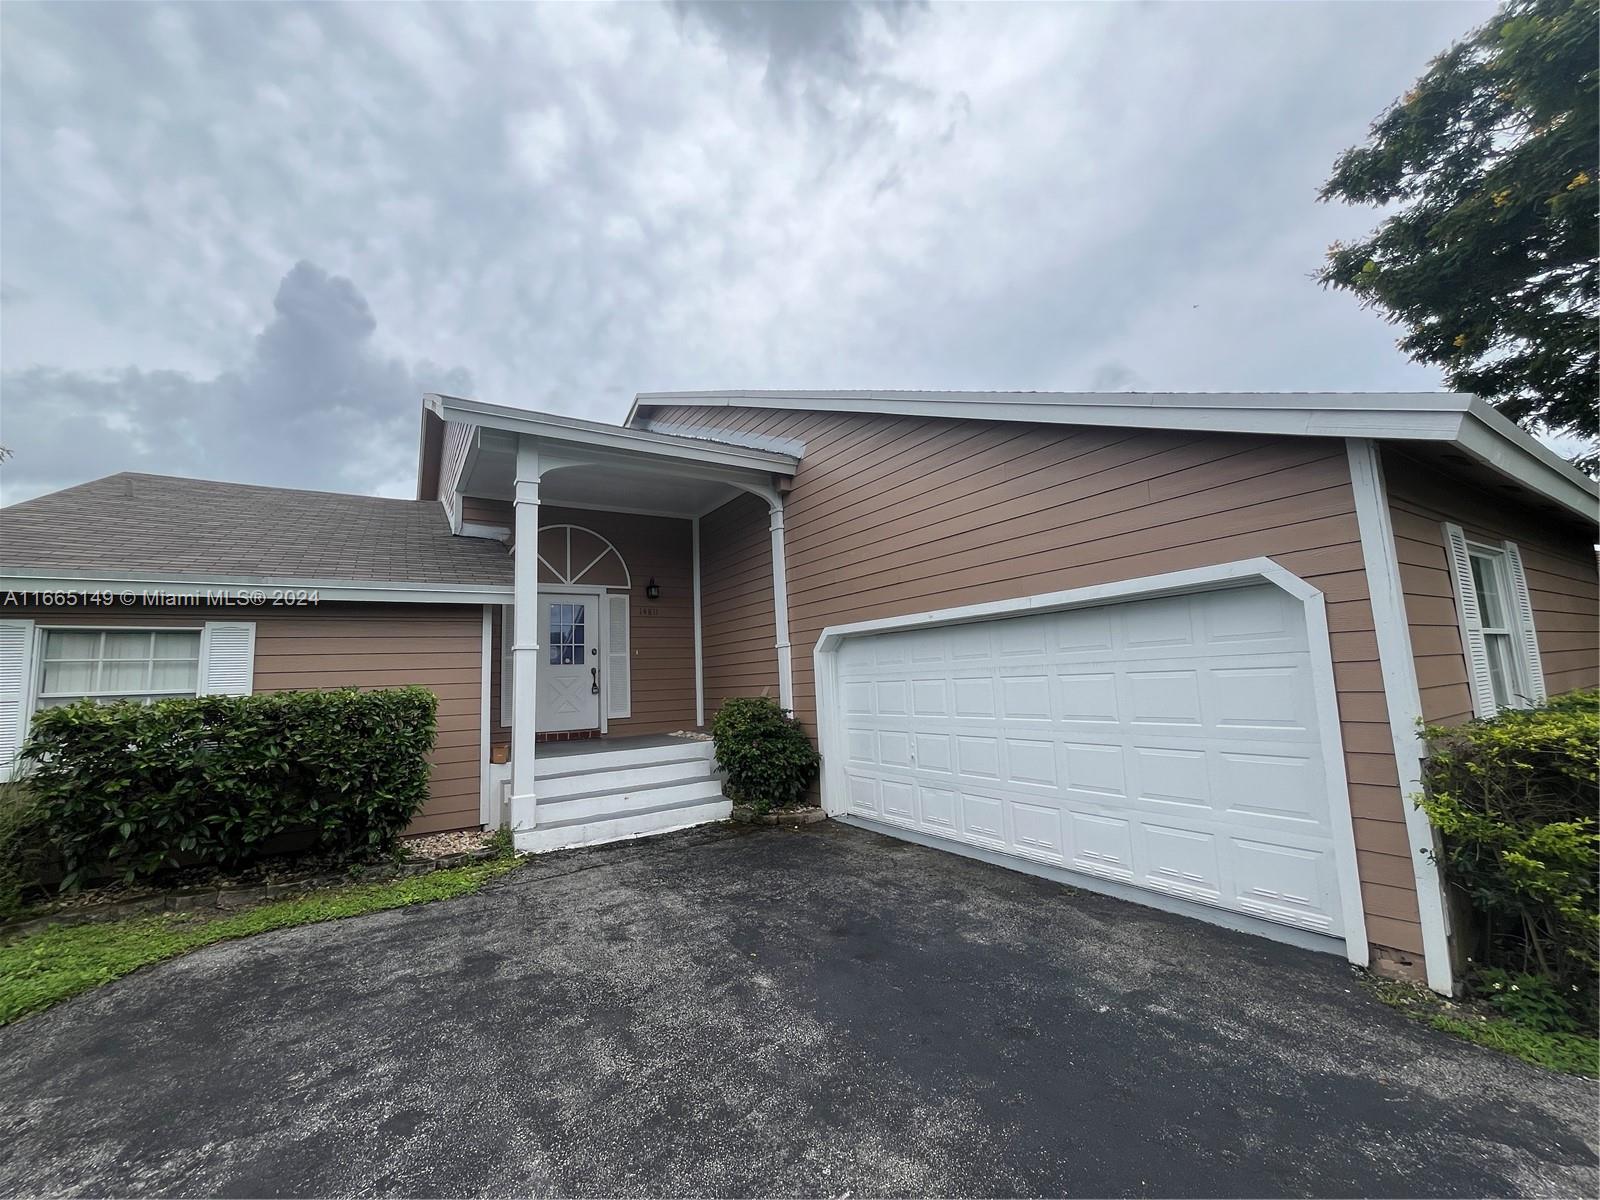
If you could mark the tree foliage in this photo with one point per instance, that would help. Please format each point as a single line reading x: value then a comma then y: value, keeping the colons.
x: 1491, y: 258
x: 1513, y: 799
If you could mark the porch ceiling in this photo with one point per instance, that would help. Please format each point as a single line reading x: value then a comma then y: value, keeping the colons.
x: 493, y: 477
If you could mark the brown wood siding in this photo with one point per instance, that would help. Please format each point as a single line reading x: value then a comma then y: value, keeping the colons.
x: 365, y: 646
x: 736, y: 613
x: 479, y: 511
x: 890, y: 516
x: 659, y: 548
x: 1562, y: 580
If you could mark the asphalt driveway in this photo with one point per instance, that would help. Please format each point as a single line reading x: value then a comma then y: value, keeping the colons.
x: 741, y: 1013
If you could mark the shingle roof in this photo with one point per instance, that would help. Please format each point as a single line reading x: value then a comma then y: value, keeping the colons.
x: 163, y: 525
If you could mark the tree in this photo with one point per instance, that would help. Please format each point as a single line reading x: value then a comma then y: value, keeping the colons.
x: 1491, y: 260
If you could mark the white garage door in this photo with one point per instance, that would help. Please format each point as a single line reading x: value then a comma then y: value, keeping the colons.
x: 1168, y: 745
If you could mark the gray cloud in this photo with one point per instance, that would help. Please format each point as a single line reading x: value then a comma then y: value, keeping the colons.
x: 802, y: 42
x: 313, y: 405
x: 581, y: 202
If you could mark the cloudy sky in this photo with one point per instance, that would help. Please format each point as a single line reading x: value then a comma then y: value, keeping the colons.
x: 239, y: 241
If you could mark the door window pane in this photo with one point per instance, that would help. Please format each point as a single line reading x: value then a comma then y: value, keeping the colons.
x: 566, y: 634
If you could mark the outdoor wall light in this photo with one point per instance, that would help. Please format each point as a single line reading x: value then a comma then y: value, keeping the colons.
x: 651, y: 591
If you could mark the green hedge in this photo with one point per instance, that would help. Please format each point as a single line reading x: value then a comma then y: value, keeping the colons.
x: 129, y: 789
x: 1514, y: 800
x: 769, y: 760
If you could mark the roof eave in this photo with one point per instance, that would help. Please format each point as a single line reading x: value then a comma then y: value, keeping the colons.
x: 574, y: 430
x: 243, y: 591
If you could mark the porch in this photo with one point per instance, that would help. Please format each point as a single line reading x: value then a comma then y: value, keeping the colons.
x: 601, y: 657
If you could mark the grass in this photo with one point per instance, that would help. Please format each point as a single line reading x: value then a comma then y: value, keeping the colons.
x: 50, y: 966
x: 1572, y: 1053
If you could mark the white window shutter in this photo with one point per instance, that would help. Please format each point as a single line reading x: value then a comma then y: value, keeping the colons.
x: 1472, y: 643
x: 16, y: 656
x: 1522, y: 602
x: 619, y: 692
x: 227, y: 658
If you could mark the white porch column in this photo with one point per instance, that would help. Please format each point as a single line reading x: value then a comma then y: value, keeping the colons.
x: 525, y: 631
x: 780, y: 605
x: 699, y: 647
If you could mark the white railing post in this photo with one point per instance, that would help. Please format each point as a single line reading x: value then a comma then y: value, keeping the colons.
x: 780, y: 604
x: 525, y: 631
x: 699, y: 646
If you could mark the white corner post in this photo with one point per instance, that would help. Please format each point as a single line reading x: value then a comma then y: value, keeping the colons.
x: 699, y: 647
x: 780, y: 603
x: 525, y: 644
x: 1403, y: 696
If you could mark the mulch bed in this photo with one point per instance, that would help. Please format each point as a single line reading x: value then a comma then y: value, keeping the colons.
x: 189, y: 889
x: 802, y: 814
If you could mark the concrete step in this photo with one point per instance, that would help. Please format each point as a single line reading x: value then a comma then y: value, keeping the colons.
x: 611, y: 779
x: 682, y: 750
x: 632, y: 825
x: 604, y: 805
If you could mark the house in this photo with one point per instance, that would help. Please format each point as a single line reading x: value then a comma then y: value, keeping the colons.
x: 1171, y: 647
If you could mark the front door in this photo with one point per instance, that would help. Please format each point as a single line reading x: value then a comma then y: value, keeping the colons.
x: 569, y: 663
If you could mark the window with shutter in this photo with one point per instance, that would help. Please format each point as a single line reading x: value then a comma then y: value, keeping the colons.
x: 16, y: 649
x: 227, y: 658
x: 1496, y: 614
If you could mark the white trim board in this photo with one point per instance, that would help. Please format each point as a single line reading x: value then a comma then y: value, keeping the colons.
x: 1403, y: 698
x: 1450, y: 417
x: 485, y: 687
x: 1242, y: 573
x: 240, y: 587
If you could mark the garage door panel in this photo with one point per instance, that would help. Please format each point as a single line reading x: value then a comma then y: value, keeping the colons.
x: 1273, y: 787
x: 1181, y: 861
x: 1169, y: 744
x: 1293, y: 885
x: 1101, y: 844
x: 1087, y: 697
x: 939, y: 809
x: 1161, y: 699
x: 983, y: 819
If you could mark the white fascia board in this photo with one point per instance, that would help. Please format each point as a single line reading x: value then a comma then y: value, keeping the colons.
x: 597, y: 434
x: 1400, y: 410
x: 1498, y: 443
x: 239, y: 587
x: 1404, y: 416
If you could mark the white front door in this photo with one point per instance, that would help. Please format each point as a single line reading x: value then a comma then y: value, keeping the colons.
x: 569, y: 662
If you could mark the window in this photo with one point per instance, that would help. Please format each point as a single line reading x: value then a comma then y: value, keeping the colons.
x: 121, y: 664
x: 1496, y: 613
x: 1489, y: 578
x: 566, y: 635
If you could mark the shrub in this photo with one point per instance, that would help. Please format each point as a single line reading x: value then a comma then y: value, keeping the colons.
x: 1514, y: 800
x: 128, y: 789
x: 26, y: 852
x: 768, y: 758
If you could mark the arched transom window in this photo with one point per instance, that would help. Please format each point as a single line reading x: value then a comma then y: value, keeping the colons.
x: 573, y: 554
